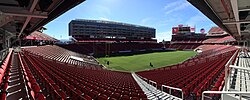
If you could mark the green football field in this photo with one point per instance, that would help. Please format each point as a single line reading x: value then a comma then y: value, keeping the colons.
x: 142, y: 61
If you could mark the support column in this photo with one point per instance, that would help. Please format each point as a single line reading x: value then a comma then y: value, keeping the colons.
x: 244, y: 44
x: 226, y: 77
x: 19, y: 39
x: 248, y: 46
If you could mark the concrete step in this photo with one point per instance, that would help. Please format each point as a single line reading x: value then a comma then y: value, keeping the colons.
x: 152, y: 92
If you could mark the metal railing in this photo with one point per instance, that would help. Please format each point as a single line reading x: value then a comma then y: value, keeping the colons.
x: 170, y: 90
x: 237, y: 67
x: 227, y: 73
x: 153, y: 83
x: 224, y: 92
x: 227, y: 69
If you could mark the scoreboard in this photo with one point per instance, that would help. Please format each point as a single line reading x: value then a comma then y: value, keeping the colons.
x: 182, y: 30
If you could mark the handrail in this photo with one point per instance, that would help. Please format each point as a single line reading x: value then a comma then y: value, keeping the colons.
x: 152, y: 83
x: 224, y: 92
x: 173, y: 88
x: 162, y: 86
x: 226, y: 68
x: 237, y: 67
x: 230, y: 60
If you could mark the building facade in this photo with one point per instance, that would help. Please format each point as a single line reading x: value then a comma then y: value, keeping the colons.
x: 81, y: 29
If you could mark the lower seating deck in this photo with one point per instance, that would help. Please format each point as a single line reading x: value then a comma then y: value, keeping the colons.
x: 194, y: 75
x: 61, y: 81
x: 62, y: 55
x: 43, y: 78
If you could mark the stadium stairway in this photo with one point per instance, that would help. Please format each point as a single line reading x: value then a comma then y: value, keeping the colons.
x: 16, y: 87
x: 152, y: 92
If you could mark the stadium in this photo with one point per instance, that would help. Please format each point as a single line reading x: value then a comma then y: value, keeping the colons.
x: 110, y: 60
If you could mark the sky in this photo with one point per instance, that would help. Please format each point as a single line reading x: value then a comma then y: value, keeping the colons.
x: 159, y: 14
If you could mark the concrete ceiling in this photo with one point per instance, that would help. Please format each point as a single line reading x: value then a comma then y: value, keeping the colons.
x: 231, y: 15
x: 25, y: 16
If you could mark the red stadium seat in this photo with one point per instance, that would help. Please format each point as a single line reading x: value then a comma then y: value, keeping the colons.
x: 125, y: 97
x: 86, y: 97
x: 102, y: 97
x: 195, y: 74
x: 116, y: 95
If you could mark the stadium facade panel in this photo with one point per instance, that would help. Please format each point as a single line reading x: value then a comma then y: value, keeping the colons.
x: 99, y: 29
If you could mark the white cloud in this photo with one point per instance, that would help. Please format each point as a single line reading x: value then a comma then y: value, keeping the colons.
x: 170, y: 21
x: 172, y: 4
x: 102, y: 10
x: 196, y: 19
x: 175, y: 6
x: 109, y: 3
x: 200, y: 21
x: 145, y: 20
x: 103, y: 18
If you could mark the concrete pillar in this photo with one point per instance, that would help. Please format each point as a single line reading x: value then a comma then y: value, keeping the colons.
x: 248, y: 46
x: 244, y: 44
x: 7, y: 43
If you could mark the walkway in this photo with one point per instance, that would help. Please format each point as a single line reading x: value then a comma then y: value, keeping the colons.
x: 152, y: 92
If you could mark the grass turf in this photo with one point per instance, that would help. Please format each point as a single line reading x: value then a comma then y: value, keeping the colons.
x: 142, y: 61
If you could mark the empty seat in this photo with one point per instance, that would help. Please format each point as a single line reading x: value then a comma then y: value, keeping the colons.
x: 102, y: 97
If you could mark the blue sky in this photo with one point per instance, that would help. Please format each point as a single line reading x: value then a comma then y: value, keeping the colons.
x: 159, y: 14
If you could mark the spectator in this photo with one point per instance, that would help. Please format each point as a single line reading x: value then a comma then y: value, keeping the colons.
x: 151, y: 65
